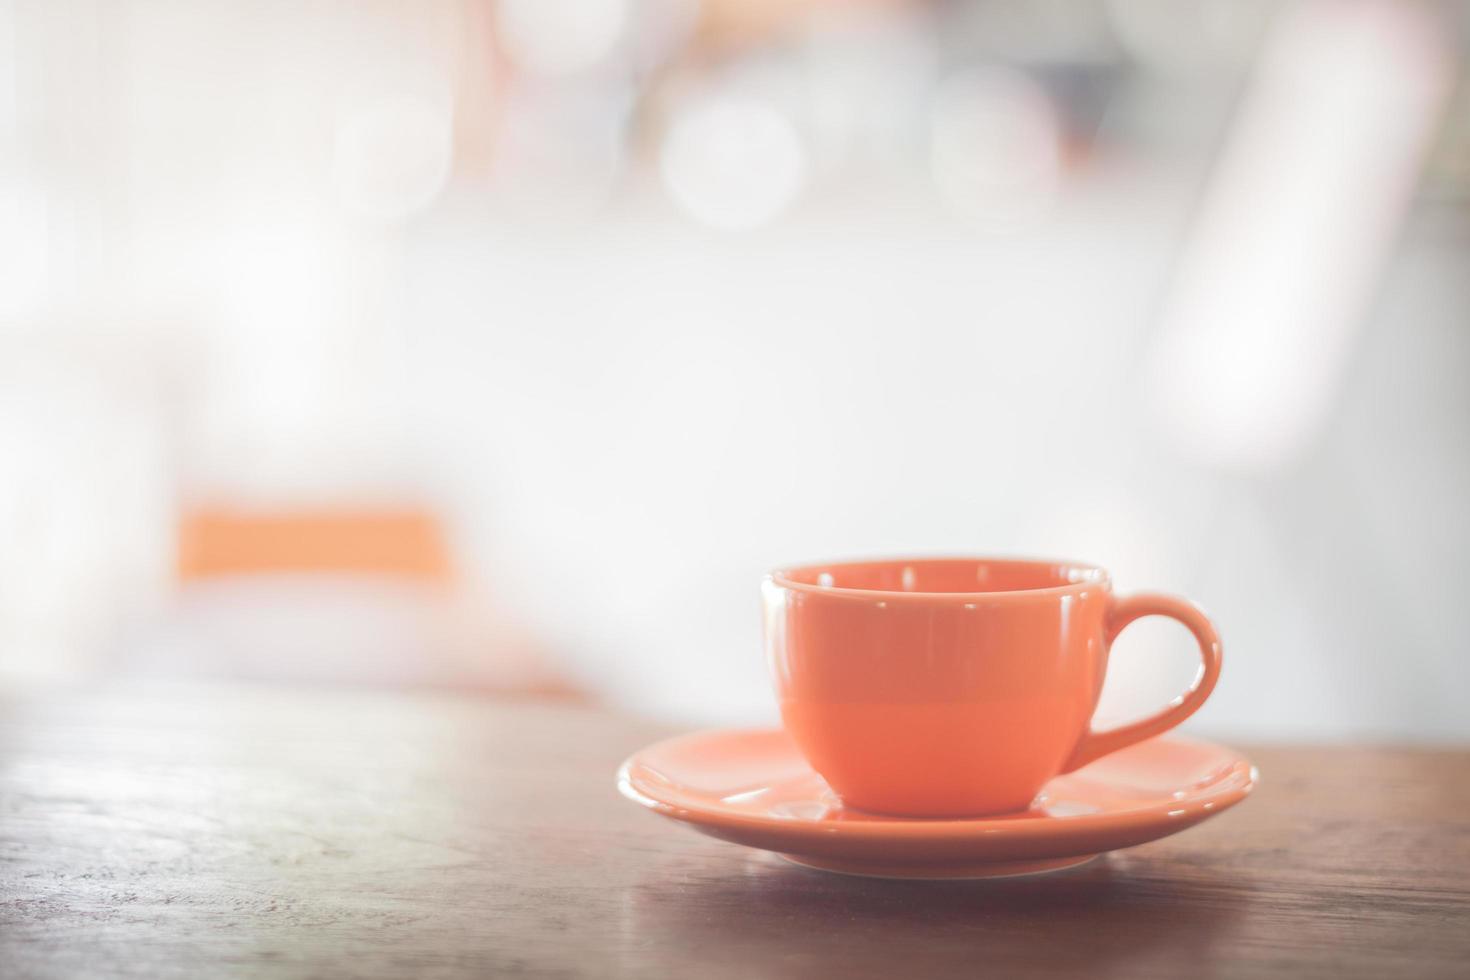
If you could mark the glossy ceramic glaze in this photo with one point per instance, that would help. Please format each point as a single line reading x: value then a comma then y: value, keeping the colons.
x: 958, y: 686
x: 755, y: 788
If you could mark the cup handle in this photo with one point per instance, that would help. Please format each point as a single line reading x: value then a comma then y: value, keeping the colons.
x: 1094, y: 744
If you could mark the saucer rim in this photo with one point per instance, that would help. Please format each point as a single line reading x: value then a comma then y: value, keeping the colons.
x: 1223, y: 792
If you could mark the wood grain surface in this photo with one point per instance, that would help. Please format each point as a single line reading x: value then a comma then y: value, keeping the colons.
x: 266, y: 834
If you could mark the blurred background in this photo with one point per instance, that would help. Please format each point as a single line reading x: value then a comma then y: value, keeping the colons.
x: 502, y: 345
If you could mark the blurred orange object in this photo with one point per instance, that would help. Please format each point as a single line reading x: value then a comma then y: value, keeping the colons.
x: 354, y: 595
x: 404, y: 543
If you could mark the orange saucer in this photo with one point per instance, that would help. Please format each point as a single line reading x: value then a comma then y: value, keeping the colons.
x: 754, y: 788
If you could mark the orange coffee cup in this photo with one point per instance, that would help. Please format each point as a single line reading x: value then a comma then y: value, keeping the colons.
x: 943, y: 687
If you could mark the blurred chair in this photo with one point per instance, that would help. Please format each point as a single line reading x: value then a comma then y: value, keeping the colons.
x: 348, y: 596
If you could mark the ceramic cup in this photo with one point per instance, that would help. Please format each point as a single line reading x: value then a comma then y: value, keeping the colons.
x: 956, y: 686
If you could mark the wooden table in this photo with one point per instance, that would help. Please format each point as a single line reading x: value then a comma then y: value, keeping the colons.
x: 261, y: 834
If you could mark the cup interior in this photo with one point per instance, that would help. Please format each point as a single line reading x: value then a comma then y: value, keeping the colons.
x: 943, y: 576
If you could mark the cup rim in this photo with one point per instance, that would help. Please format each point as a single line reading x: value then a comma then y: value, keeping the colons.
x: 1088, y: 575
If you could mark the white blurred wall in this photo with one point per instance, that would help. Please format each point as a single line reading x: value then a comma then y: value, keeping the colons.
x: 630, y: 455
x: 636, y: 368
